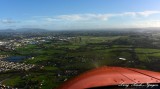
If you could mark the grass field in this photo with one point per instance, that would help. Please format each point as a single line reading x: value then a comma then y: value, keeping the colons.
x: 144, y: 54
x: 77, y: 56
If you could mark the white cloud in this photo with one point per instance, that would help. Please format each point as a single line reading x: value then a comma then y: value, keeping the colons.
x: 144, y: 13
x: 148, y: 13
x: 50, y: 19
x: 129, y: 14
x: 89, y: 20
x: 101, y: 17
x: 73, y: 17
x: 7, y: 21
x: 84, y: 17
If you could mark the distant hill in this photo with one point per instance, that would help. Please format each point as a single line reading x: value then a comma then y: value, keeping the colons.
x: 31, y: 30
x: 7, y: 30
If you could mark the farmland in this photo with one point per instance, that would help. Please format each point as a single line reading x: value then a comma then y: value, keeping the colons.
x: 58, y: 60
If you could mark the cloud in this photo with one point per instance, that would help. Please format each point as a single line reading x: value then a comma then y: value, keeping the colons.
x: 148, y: 13
x: 88, y: 20
x: 49, y: 19
x: 7, y: 21
x: 144, y: 13
x: 97, y: 17
x: 84, y: 17
x: 73, y: 17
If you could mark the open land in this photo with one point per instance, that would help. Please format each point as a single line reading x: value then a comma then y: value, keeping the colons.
x: 55, y: 57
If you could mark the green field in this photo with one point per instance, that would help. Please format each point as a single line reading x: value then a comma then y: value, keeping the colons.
x: 77, y: 56
x: 145, y: 54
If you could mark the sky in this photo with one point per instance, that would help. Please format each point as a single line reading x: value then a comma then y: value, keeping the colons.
x: 79, y: 14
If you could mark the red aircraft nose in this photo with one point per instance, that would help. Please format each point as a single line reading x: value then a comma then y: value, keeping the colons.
x: 107, y: 76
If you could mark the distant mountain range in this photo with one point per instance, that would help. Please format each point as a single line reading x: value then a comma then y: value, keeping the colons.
x: 109, y: 29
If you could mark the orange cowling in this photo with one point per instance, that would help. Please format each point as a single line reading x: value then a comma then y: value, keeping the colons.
x: 107, y: 76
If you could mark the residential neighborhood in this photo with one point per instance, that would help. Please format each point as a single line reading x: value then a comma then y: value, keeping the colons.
x: 7, y: 66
